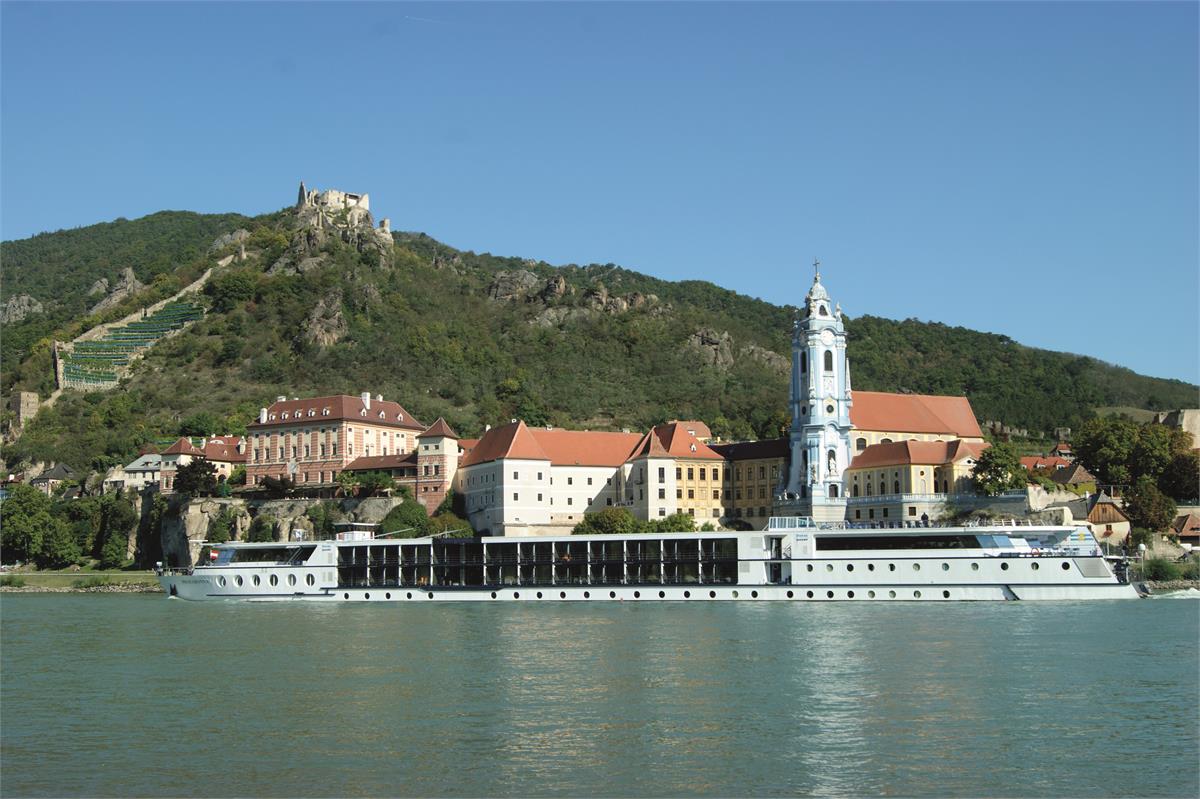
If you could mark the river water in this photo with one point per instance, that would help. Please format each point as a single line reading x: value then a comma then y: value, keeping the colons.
x: 119, y: 695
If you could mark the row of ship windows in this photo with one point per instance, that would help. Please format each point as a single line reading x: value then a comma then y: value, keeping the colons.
x: 686, y: 595
x: 1033, y: 565
x: 272, y: 580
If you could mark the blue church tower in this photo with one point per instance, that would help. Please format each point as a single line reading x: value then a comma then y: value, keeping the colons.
x: 820, y: 405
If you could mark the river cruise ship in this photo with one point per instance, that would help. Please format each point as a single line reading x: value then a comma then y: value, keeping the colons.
x: 793, y: 559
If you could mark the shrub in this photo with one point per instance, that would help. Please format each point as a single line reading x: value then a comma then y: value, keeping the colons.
x: 262, y: 529
x: 90, y: 582
x: 1162, y: 570
x: 12, y: 581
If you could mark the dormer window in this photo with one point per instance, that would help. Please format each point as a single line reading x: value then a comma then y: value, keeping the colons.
x: 324, y: 411
x: 272, y: 417
x: 693, y: 447
x: 285, y: 414
x: 399, y: 417
x: 363, y: 412
x: 381, y: 415
x: 312, y: 412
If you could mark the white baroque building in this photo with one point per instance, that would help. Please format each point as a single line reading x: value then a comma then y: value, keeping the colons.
x: 820, y: 404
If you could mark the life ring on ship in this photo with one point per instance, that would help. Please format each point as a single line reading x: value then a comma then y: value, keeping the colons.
x: 1035, y: 552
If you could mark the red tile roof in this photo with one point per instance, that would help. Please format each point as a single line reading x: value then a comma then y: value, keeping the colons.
x: 560, y: 447
x: 334, y: 408
x: 182, y: 447
x: 914, y: 413
x: 439, y: 428
x: 225, y: 449
x: 905, y: 453
x: 753, y: 450
x: 1072, y: 475
x: 682, y: 440
x: 1187, y: 525
x: 368, y: 464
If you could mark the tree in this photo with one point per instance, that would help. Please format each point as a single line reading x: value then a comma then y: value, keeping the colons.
x: 609, y: 521
x: 112, y: 554
x: 24, y: 518
x: 196, y: 479
x: 199, y: 424
x: 59, y: 547
x: 373, y: 483
x: 323, y: 515
x: 408, y: 518
x: 348, y: 483
x: 1181, y: 479
x: 277, y: 487
x: 231, y: 289
x: 998, y: 469
x: 1148, y: 507
x: 675, y: 523
x: 1105, y: 447
x: 238, y: 476
x: 262, y: 529
x: 450, y: 525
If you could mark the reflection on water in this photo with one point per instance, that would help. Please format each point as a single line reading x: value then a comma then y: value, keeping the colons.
x: 119, y: 695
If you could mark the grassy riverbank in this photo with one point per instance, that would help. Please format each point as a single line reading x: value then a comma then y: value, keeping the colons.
x: 98, y: 581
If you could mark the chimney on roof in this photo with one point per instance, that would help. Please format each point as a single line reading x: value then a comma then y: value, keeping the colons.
x: 366, y: 399
x: 379, y: 397
x: 262, y: 415
x: 487, y: 427
x: 281, y: 398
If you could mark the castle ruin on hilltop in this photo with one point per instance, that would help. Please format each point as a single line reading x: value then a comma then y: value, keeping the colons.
x: 334, y: 208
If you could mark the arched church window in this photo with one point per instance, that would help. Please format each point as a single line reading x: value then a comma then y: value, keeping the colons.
x: 945, y: 487
x: 860, y: 444
x: 828, y: 360
x: 803, y: 362
x: 896, y: 487
x: 885, y: 441
x: 833, y: 491
x: 822, y: 311
x: 854, y: 490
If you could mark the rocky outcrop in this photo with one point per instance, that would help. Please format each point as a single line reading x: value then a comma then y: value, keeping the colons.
x: 598, y: 299
x: 317, y: 227
x: 127, y: 286
x: 18, y: 307
x: 555, y: 288
x: 515, y: 285
x: 768, y: 358
x: 185, y: 523
x: 715, y: 348
x: 326, y: 325
x: 99, y: 287
x: 236, y: 237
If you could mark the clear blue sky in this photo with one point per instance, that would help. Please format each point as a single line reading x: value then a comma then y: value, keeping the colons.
x: 1024, y: 168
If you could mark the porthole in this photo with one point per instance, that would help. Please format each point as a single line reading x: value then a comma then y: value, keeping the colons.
x: 916, y: 567
x: 587, y: 595
x: 712, y: 594
x: 612, y: 594
x: 562, y: 594
x: 291, y: 579
x: 310, y: 580
x: 945, y: 567
x: 916, y: 594
x: 849, y: 567
x: 789, y: 594
x: 238, y: 581
x: 637, y: 594
x: 493, y: 595
x: 809, y: 594
x: 870, y: 567
x: 829, y: 594
x: 809, y: 567
x: 974, y: 567
x: 408, y: 595
x: 430, y: 595
x: 828, y: 567
x: 687, y: 594
x: 662, y: 594
x: 1066, y: 566
x: 387, y: 596
x: 539, y: 594
x: 345, y: 596
x: 891, y: 594
x: 1035, y: 566
x: 1003, y: 567
x: 754, y: 595
x: 221, y: 581
x: 516, y: 594
x: 870, y: 595
x: 274, y: 579
x: 891, y: 567
x: 366, y: 596
x: 850, y: 594
x: 945, y: 594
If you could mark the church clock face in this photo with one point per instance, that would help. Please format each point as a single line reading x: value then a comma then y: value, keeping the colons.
x: 827, y: 338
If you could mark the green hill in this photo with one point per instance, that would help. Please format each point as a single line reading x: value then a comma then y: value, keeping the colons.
x: 476, y: 338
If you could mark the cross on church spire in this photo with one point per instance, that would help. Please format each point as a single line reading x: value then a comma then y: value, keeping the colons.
x: 817, y: 269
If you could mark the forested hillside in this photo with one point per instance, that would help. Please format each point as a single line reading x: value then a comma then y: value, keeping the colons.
x: 473, y: 337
